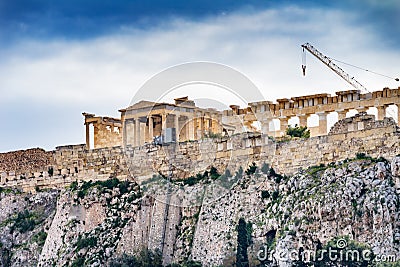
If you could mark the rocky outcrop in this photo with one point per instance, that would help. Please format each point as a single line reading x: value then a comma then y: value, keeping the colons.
x: 24, y: 223
x: 96, y: 222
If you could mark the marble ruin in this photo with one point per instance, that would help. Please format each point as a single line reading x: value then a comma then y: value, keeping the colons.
x: 142, y: 122
x: 182, y: 121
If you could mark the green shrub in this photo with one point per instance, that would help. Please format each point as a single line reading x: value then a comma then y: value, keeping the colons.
x: 124, y: 261
x: 73, y: 186
x: 40, y: 238
x: 363, y: 156
x: 265, y: 194
x: 252, y: 169
x: 273, y: 174
x: 265, y: 168
x: 78, y: 262
x: 275, y: 195
x: 243, y: 242
x: 24, y: 222
x: 50, y: 171
x: 298, y: 131
x: 214, y: 173
x: 86, y: 242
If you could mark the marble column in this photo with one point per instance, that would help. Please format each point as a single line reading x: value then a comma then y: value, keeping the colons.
x: 381, y: 112
x: 137, y: 132
x: 163, y: 124
x: 362, y: 109
x: 284, y: 121
x: 323, y: 124
x: 201, y: 127
x: 341, y: 114
x: 87, y: 136
x: 151, y: 128
x: 187, y: 129
x: 303, y: 119
x: 192, y: 129
x: 176, y: 126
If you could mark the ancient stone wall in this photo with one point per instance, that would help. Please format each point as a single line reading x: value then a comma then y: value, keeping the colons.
x: 359, y: 134
x: 30, y: 160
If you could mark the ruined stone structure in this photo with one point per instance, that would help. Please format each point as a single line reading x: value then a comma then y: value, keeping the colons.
x: 361, y: 133
x: 321, y: 105
x: 183, y: 121
x: 143, y: 121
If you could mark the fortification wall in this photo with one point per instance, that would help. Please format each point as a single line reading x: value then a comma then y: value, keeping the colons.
x: 359, y: 134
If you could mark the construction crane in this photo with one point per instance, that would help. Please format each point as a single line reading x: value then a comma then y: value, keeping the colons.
x: 339, y: 71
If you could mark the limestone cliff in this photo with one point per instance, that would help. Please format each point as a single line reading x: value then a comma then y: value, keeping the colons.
x: 95, y: 223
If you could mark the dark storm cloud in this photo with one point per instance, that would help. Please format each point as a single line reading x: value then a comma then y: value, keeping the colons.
x: 60, y: 58
x: 87, y: 18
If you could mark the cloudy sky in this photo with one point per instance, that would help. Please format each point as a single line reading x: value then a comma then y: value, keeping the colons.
x: 61, y: 58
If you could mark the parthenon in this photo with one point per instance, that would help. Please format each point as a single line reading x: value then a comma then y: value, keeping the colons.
x: 183, y: 121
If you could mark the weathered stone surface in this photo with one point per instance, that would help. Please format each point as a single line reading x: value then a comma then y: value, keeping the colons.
x: 310, y: 207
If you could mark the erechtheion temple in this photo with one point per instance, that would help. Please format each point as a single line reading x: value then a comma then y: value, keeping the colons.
x: 183, y: 121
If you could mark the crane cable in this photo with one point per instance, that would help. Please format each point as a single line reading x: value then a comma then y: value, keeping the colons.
x: 390, y: 110
x: 303, y: 62
x: 354, y: 66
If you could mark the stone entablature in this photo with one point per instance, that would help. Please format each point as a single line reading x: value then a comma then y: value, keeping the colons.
x: 323, y: 104
x: 358, y: 134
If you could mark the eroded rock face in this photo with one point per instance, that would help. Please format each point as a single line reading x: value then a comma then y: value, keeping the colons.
x: 95, y: 224
x: 24, y: 221
x: 395, y: 167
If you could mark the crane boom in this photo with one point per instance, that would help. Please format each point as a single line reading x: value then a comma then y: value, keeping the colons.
x: 329, y: 62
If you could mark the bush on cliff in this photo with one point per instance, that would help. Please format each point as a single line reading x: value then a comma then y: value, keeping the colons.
x: 298, y: 131
x: 25, y: 222
x: 243, y: 242
x: 146, y: 258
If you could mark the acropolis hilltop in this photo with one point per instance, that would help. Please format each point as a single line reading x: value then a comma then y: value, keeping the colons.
x: 183, y: 121
x: 132, y: 146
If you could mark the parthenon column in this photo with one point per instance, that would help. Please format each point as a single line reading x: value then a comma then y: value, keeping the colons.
x: 323, y: 125
x: 187, y: 129
x: 201, y: 127
x: 87, y: 136
x: 176, y: 126
x: 192, y: 129
x: 381, y: 112
x: 341, y: 114
x: 151, y: 128
x: 194, y: 122
x: 361, y: 109
x: 398, y: 114
x: 303, y: 119
x: 163, y: 124
x: 284, y: 121
x: 137, y: 132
